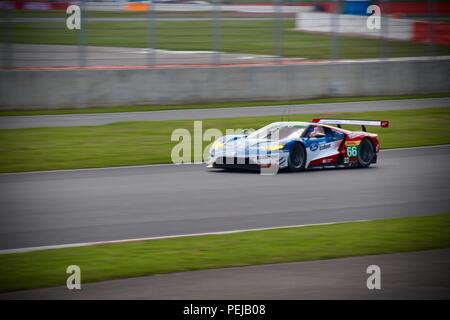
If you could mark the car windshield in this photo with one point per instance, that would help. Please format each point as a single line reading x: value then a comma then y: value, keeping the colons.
x: 278, y: 130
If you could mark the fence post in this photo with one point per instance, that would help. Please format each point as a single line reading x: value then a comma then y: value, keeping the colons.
x: 7, y: 27
x: 82, y: 41
x: 431, y: 28
x: 277, y: 30
x: 151, y: 55
x: 384, y: 44
x: 334, y: 82
x: 216, y: 32
x: 334, y: 33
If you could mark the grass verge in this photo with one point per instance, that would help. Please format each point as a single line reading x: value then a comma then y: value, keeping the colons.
x: 103, y: 262
x: 18, y: 112
x: 149, y: 142
x: 236, y: 36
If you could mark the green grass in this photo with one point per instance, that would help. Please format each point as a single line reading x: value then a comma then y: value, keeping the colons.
x: 18, y: 112
x: 103, y: 262
x: 254, y: 37
x: 148, y: 142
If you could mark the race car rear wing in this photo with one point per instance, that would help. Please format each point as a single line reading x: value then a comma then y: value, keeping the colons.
x: 363, y: 123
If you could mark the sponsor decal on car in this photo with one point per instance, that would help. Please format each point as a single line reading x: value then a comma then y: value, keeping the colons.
x: 352, y: 151
x: 352, y: 143
x: 324, y: 146
x: 314, y: 146
x: 352, y: 148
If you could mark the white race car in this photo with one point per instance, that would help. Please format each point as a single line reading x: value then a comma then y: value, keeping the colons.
x: 298, y: 145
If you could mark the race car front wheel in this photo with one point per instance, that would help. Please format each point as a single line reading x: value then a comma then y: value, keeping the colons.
x: 366, y: 153
x: 297, y: 158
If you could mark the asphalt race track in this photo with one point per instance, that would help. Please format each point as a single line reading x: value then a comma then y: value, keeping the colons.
x: 70, y: 120
x: 53, y: 208
x: 412, y: 275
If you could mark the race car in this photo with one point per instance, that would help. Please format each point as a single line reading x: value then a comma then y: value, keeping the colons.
x: 296, y: 146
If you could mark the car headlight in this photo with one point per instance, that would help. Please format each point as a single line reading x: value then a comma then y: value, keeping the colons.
x: 275, y: 147
x: 217, y: 145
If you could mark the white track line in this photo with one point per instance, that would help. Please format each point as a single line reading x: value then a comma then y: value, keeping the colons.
x: 85, y: 244
x: 173, y: 164
x: 412, y: 148
x: 104, y: 168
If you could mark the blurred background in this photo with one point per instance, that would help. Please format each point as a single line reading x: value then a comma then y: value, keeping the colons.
x: 299, y: 40
x: 170, y: 32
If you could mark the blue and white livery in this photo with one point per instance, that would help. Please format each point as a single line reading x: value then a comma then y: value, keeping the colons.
x: 298, y: 145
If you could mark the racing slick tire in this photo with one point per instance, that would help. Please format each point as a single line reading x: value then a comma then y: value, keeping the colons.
x: 366, y: 153
x: 297, y: 158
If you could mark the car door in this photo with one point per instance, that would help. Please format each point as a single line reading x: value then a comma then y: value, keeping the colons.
x: 321, y: 142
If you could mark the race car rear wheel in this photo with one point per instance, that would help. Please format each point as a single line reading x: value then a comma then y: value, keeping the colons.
x: 297, y: 158
x: 365, y: 153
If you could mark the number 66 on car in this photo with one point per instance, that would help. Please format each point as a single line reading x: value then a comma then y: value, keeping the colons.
x: 296, y: 146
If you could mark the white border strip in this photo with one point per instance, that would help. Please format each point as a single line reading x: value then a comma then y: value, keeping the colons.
x: 413, y: 148
x: 174, y: 164
x: 85, y: 244
x: 104, y: 168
